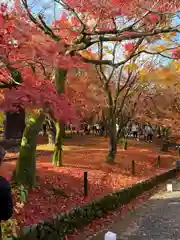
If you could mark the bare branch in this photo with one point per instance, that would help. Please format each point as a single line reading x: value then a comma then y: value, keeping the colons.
x: 116, y: 65
x: 40, y: 24
x: 136, y: 35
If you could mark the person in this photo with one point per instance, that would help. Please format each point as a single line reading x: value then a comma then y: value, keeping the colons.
x: 6, y: 203
x: 149, y: 133
x: 135, y: 130
x: 117, y: 127
x: 97, y: 129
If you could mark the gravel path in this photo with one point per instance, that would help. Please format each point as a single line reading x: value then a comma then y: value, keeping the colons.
x: 157, y: 219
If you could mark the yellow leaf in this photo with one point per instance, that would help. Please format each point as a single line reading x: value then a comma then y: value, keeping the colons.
x: 166, y: 37
x: 110, y: 51
x: 141, y: 48
x: 176, y: 65
x: 88, y: 54
x: 131, y: 66
x: 142, y: 74
x: 159, y: 48
x: 166, y: 76
x: 173, y: 34
x: 107, y: 50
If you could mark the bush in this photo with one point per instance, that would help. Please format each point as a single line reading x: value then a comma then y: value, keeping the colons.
x: 64, y: 223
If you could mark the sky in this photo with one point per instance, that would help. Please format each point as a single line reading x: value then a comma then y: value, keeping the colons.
x: 177, y: 22
x: 49, y: 8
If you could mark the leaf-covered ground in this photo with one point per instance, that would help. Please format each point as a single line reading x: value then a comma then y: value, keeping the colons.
x: 86, y: 154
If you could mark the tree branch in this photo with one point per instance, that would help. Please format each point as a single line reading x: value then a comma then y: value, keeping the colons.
x: 41, y: 25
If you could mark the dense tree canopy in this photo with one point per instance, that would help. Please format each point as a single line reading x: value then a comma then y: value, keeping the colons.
x: 29, y: 44
x: 122, y: 40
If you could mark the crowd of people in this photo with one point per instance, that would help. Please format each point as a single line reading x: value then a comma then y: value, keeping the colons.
x: 133, y: 129
x: 145, y: 130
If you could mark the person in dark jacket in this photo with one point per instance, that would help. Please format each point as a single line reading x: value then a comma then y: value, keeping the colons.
x: 6, y: 203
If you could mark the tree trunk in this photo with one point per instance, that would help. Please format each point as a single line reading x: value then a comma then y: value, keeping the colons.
x: 25, y: 172
x: 165, y: 146
x: 51, y: 136
x: 124, y: 143
x: 112, y: 143
x: 14, y: 125
x: 58, y: 150
x: 44, y: 129
x: 14, y: 122
x: 51, y: 132
x: 60, y: 78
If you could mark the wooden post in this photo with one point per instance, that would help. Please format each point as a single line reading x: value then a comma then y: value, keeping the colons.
x: 158, y: 161
x: 178, y: 166
x: 179, y: 151
x: 133, y: 167
x: 85, y: 184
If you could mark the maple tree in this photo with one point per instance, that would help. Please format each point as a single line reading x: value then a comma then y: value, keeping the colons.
x: 123, y: 87
x: 165, y: 84
x: 131, y: 24
x: 85, y: 91
x: 33, y: 46
x: 26, y: 71
x: 111, y: 21
x: 159, y: 106
x: 25, y: 85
